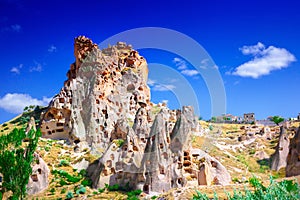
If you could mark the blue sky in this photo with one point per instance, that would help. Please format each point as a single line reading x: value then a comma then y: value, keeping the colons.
x: 254, y: 45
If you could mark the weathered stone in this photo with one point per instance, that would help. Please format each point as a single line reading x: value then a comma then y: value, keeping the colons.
x: 38, y: 180
x: 100, y: 92
x: 83, y: 164
x: 278, y: 159
x: 261, y: 155
x: 105, y: 105
x: 293, y: 159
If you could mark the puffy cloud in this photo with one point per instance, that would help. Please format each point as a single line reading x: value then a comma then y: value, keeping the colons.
x: 37, y: 68
x: 189, y: 72
x: 16, y: 28
x: 180, y: 64
x: 16, y: 102
x: 264, y: 60
x: 160, y: 87
x: 151, y: 82
x: 12, y: 28
x: 163, y: 87
x: 52, y: 49
x: 16, y: 70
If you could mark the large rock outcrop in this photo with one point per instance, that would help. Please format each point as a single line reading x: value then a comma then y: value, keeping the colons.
x: 105, y: 105
x: 293, y: 159
x: 278, y: 159
x: 103, y: 87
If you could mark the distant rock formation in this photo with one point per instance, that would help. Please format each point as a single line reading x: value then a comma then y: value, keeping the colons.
x: 278, y: 159
x: 293, y: 159
x: 105, y: 105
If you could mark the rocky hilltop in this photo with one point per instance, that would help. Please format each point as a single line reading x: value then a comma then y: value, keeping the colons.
x: 105, y: 106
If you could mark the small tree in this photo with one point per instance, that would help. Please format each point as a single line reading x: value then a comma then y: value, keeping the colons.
x: 213, y: 119
x: 277, y: 119
x: 15, y: 160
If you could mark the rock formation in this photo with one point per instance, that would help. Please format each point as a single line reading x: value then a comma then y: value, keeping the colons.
x: 38, y: 180
x: 102, y: 89
x: 105, y: 106
x: 278, y: 159
x: 293, y: 159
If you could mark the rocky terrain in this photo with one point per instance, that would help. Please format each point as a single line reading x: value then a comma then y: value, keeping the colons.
x: 102, y: 130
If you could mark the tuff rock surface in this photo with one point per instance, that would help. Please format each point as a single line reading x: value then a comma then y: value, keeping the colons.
x: 38, y: 180
x: 105, y: 106
x: 293, y: 158
x: 278, y: 159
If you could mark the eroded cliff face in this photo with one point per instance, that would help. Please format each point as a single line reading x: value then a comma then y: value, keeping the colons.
x: 105, y: 106
x: 103, y: 89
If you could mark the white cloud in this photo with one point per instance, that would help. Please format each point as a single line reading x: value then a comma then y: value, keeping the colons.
x: 236, y: 82
x: 204, y: 61
x: 215, y: 67
x: 16, y: 28
x: 189, y: 72
x: 15, y: 102
x: 16, y: 69
x: 12, y: 28
x: 265, y: 60
x: 37, y: 68
x: 180, y: 64
x: 160, y: 87
x: 52, y: 49
x: 151, y: 82
x: 163, y: 87
x: 165, y: 101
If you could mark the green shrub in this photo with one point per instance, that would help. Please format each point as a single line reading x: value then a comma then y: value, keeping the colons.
x: 86, y: 182
x: 132, y: 195
x: 252, y: 151
x: 235, y: 180
x: 69, y: 195
x: 47, y: 148
x: 287, y: 189
x: 52, y: 191
x: 64, y: 163
x: 119, y: 142
x: 63, y: 191
x: 62, y: 182
x: 100, y: 190
x: 83, y: 172
x: 81, y: 190
x: 65, y: 175
x: 114, y: 187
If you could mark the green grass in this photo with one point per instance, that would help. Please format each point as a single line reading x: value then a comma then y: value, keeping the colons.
x: 286, y: 189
